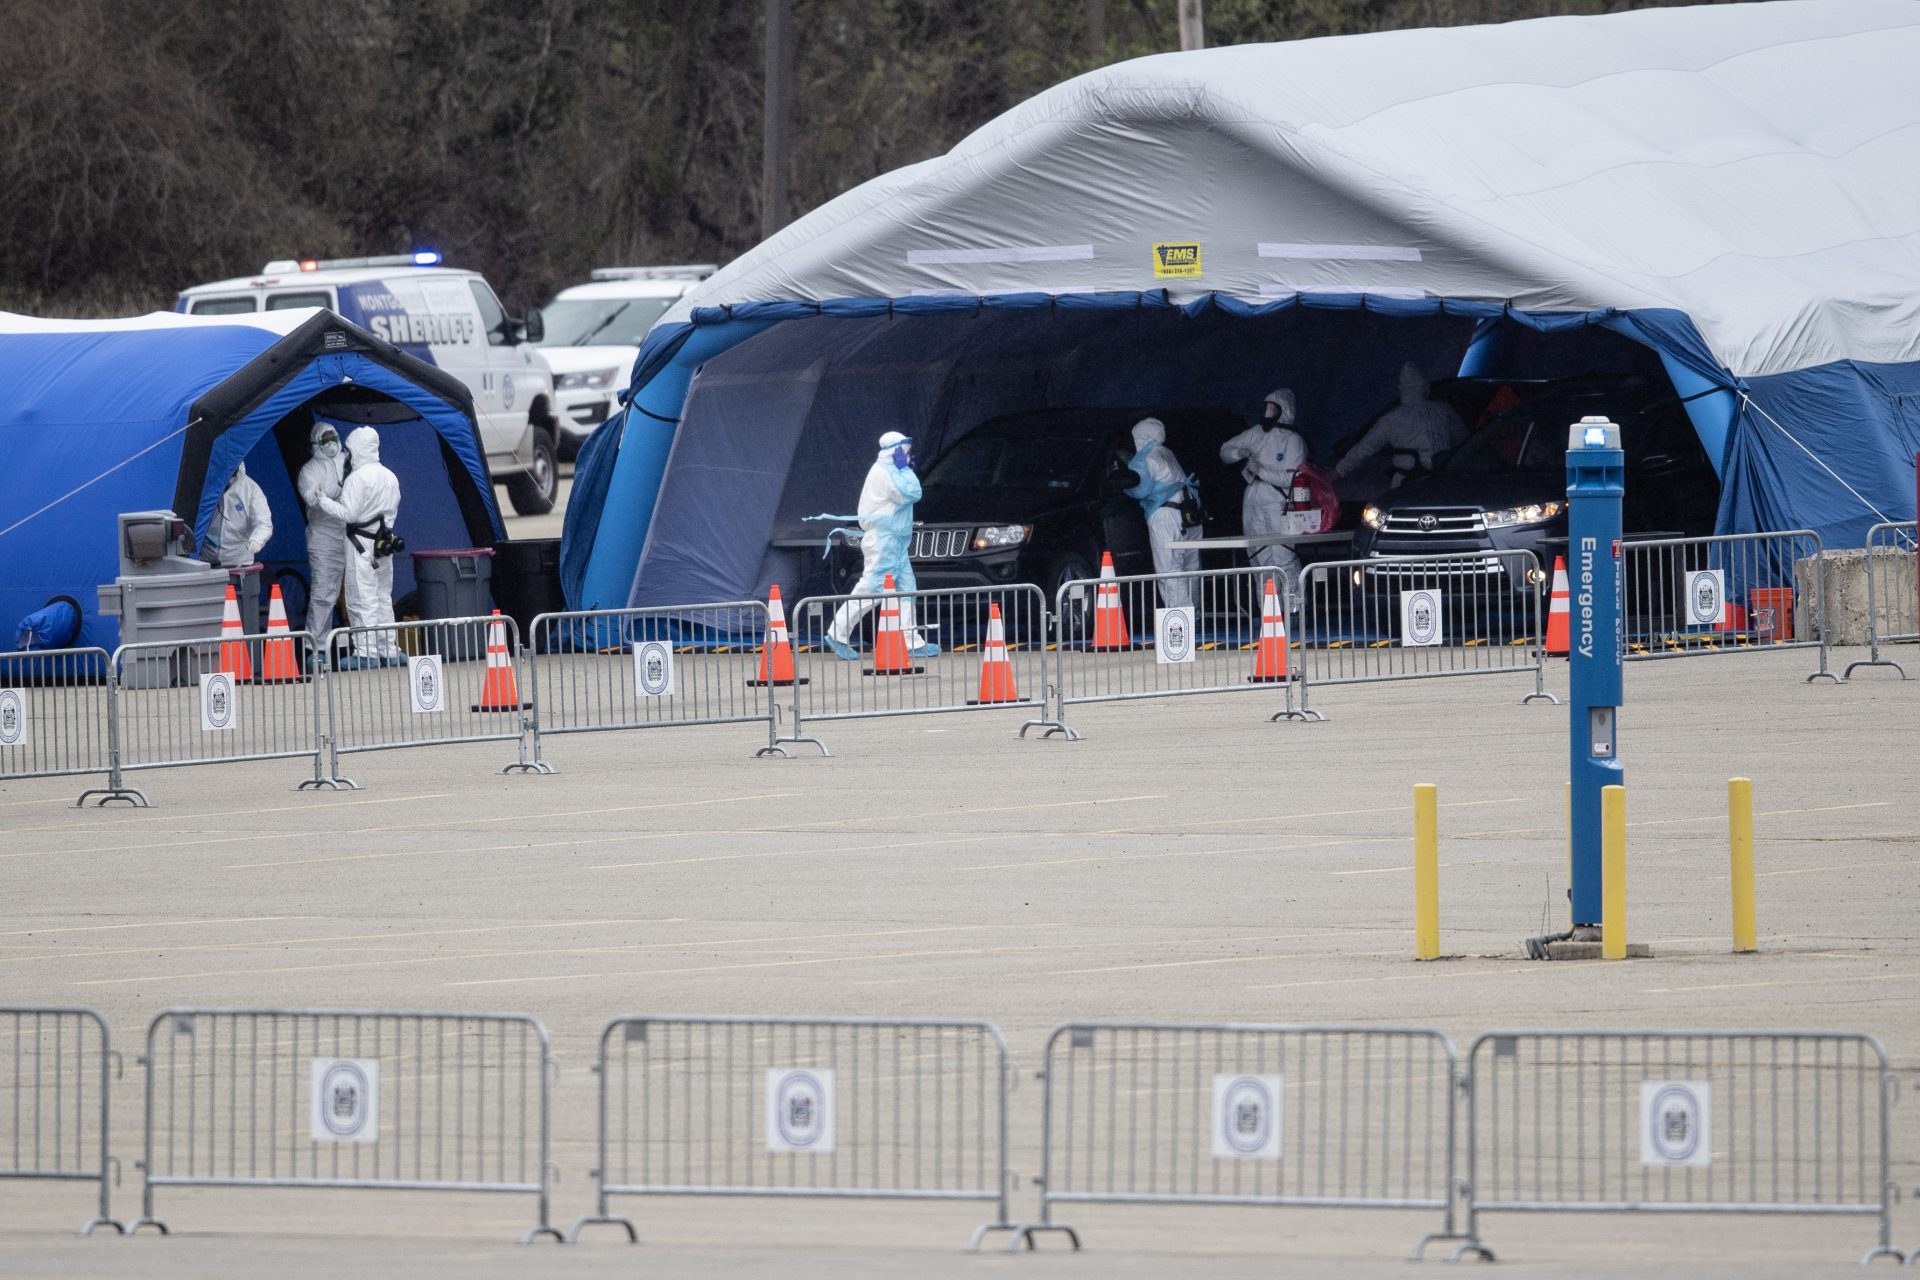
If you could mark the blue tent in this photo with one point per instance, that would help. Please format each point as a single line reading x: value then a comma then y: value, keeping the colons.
x: 101, y: 417
x: 1727, y: 194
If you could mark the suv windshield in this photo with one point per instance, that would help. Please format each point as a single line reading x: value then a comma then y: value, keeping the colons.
x: 610, y: 322
x: 1027, y: 461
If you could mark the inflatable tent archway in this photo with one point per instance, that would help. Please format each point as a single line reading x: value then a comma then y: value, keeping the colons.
x: 100, y: 417
x: 1735, y: 187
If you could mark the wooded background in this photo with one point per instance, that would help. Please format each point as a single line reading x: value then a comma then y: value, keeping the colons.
x: 148, y: 147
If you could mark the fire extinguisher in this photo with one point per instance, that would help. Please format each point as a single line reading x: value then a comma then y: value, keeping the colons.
x: 1299, y: 496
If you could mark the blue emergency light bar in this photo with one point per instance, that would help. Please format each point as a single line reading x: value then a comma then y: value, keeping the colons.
x: 418, y: 258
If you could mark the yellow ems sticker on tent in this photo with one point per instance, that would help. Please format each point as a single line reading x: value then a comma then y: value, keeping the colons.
x: 1176, y: 260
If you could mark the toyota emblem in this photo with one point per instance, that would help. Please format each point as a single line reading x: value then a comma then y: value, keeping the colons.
x: 1427, y: 523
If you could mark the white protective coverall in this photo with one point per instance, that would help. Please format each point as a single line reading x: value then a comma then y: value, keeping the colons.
x: 326, y: 533
x: 370, y: 492
x: 886, y: 537
x: 1269, y: 454
x: 1162, y: 494
x: 243, y: 525
x: 1418, y: 426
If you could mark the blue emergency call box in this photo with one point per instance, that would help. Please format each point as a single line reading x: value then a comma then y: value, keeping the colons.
x: 1596, y: 486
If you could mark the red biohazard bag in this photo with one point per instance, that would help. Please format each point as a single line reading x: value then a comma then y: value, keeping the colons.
x: 1321, y: 494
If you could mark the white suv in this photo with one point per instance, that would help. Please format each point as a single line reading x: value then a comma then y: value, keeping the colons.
x: 593, y: 336
x: 446, y: 317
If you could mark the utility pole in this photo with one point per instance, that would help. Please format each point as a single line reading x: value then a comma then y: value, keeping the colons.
x: 1193, y: 25
x: 776, y: 131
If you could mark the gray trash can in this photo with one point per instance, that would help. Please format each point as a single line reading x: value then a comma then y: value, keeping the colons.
x: 455, y: 583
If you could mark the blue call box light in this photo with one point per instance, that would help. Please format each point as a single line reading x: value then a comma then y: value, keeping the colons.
x: 1596, y: 437
x: 1593, y: 433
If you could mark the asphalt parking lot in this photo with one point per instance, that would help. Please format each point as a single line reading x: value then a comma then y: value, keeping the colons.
x: 1187, y: 861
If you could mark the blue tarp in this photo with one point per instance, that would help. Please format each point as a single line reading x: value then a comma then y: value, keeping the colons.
x: 97, y: 419
x: 776, y: 403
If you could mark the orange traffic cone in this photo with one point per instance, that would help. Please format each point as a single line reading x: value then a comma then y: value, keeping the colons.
x: 996, y: 669
x: 234, y: 658
x: 890, y: 656
x: 499, y: 691
x: 278, y: 662
x: 1270, y: 662
x: 776, y: 655
x: 1559, y: 620
x: 1109, y: 619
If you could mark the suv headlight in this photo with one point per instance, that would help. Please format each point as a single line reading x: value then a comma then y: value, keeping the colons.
x: 1001, y: 535
x: 595, y: 378
x: 1532, y: 513
x: 1373, y: 517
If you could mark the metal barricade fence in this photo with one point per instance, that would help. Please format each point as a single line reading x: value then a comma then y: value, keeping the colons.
x: 1893, y: 592
x: 1167, y: 635
x: 444, y: 681
x: 54, y: 1104
x: 605, y: 669
x: 1732, y: 593
x: 1423, y: 617
x: 56, y: 719
x: 357, y: 1100
x: 175, y: 704
x: 850, y: 1108
x: 1677, y: 1122
x: 1234, y: 1114
x: 888, y: 672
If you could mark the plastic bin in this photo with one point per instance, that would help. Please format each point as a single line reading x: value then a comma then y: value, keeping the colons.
x: 526, y: 579
x: 1772, y: 610
x: 166, y: 606
x: 455, y: 583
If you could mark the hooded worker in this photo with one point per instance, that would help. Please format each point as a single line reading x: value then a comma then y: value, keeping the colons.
x: 1172, y: 503
x: 243, y: 523
x: 368, y: 504
x: 886, y: 535
x: 322, y: 476
x: 1269, y: 454
x: 1417, y: 430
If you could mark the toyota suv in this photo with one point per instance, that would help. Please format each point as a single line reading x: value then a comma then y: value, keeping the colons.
x: 1505, y: 487
x: 594, y: 332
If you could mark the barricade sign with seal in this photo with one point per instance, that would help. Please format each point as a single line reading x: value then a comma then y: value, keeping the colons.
x: 653, y: 669
x: 1676, y: 1123
x: 1422, y: 618
x: 1247, y: 1112
x: 216, y: 702
x: 14, y: 725
x: 1703, y: 598
x: 346, y: 1100
x: 1173, y: 635
x: 427, y: 683
x: 800, y: 1109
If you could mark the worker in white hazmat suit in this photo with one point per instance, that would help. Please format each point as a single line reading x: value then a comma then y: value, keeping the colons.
x: 1270, y: 453
x: 1417, y: 430
x: 368, y: 504
x: 322, y: 476
x: 1172, y: 503
x: 886, y: 537
x: 242, y: 525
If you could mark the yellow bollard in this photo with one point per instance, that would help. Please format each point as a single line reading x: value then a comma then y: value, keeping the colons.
x: 1740, y: 855
x: 1426, y: 871
x: 1613, y: 873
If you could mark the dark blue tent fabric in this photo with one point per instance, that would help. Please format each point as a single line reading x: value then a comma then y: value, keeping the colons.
x: 97, y: 421
x: 667, y: 516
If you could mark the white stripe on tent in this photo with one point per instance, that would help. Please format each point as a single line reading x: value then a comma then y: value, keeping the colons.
x: 1371, y: 290
x: 1028, y: 253
x: 1342, y: 252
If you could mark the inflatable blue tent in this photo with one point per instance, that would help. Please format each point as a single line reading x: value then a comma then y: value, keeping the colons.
x: 1728, y: 194
x: 101, y: 417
